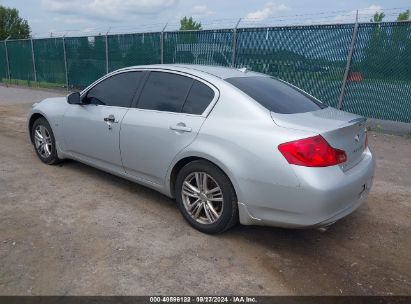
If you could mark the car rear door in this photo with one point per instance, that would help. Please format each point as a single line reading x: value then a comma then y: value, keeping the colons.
x: 166, y: 119
x: 92, y: 129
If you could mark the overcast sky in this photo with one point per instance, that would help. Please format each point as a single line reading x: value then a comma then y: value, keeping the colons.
x: 98, y: 16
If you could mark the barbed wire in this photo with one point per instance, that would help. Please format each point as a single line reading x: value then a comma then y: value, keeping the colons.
x: 312, y: 18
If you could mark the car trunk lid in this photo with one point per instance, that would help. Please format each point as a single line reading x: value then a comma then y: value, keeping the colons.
x: 342, y: 130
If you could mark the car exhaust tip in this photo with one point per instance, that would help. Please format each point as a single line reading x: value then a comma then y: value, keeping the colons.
x: 322, y: 229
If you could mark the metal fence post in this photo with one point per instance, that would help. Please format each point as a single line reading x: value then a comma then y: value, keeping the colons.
x: 234, y: 46
x: 7, y: 59
x: 162, y: 44
x: 34, y: 61
x: 107, y: 51
x: 348, y: 66
x: 65, y: 62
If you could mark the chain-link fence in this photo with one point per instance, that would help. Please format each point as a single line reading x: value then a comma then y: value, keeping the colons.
x: 380, y: 82
x: 310, y: 57
x: 3, y: 61
x: 49, y: 60
x: 362, y: 68
x: 20, y: 59
x: 133, y: 49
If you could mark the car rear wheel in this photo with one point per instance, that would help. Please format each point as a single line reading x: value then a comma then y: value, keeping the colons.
x: 206, y: 197
x: 44, y: 142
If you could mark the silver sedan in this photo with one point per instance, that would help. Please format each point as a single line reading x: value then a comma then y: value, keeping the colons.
x: 229, y: 145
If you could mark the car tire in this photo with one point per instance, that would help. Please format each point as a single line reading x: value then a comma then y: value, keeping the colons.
x: 44, y: 142
x: 219, y: 208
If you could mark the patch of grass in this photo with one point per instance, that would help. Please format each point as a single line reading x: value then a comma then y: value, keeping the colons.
x: 376, y: 128
x: 35, y: 84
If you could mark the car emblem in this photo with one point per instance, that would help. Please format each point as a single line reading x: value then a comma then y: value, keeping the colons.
x: 357, y: 138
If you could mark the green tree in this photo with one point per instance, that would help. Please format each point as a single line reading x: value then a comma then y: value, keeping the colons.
x: 187, y: 24
x: 12, y: 25
x: 404, y: 16
x: 400, y: 52
x: 374, y: 63
x: 377, y: 17
x: 375, y: 50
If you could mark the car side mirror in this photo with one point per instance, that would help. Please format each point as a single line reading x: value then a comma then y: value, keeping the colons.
x: 74, y: 98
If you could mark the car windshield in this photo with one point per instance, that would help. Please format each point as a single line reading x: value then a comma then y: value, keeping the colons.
x: 275, y: 95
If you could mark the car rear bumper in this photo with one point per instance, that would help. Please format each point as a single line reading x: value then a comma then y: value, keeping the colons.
x: 324, y: 196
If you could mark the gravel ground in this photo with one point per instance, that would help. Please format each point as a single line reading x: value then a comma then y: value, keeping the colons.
x: 74, y: 230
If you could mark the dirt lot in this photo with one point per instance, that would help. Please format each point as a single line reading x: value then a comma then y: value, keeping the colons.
x: 74, y: 230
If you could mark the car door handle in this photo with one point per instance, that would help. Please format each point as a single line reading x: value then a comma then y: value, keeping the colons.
x: 181, y: 127
x: 110, y: 118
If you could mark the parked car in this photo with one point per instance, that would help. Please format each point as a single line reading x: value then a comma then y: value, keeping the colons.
x: 229, y: 145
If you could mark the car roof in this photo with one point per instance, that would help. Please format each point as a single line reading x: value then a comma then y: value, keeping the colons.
x: 217, y: 71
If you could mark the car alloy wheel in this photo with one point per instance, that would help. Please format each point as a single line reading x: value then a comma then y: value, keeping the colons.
x: 202, y: 197
x: 43, y: 141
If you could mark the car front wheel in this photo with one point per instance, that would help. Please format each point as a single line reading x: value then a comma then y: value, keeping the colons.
x: 44, y: 142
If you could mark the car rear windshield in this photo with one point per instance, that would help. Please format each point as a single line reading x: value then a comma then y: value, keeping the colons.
x: 275, y: 95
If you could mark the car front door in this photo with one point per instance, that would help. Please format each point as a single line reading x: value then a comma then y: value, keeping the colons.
x: 92, y: 129
x: 168, y: 115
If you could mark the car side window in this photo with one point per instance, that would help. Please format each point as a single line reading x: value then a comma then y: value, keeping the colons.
x: 198, y: 99
x: 165, y: 92
x: 117, y: 90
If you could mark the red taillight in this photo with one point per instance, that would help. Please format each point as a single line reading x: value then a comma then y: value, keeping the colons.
x: 312, y: 152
